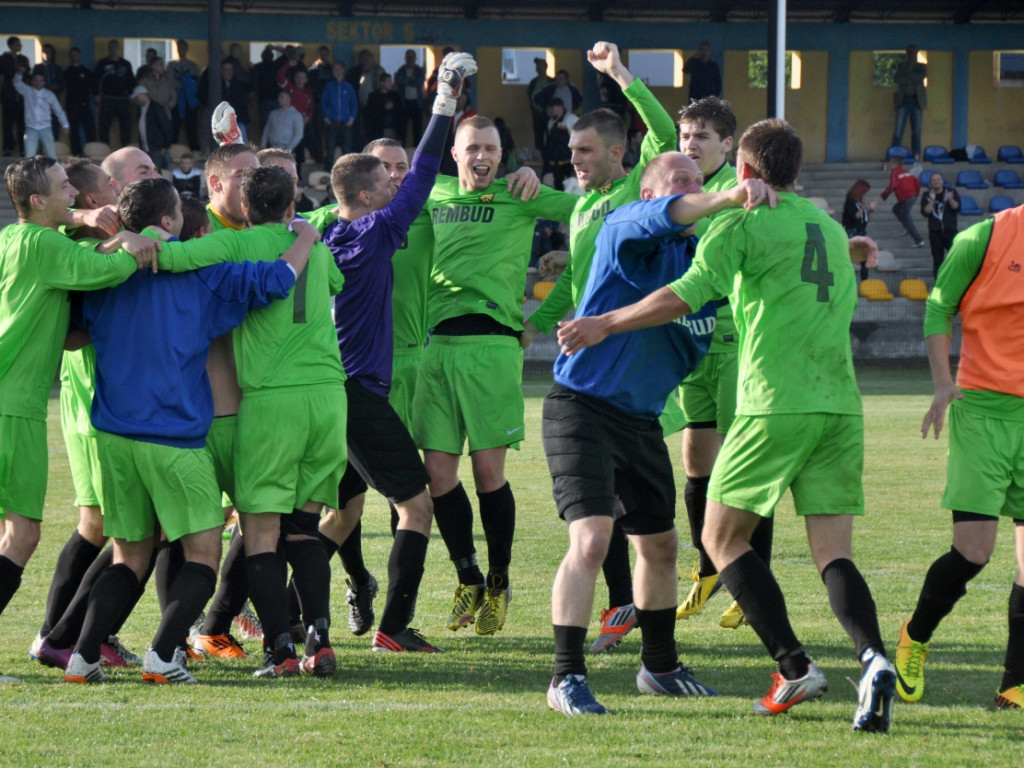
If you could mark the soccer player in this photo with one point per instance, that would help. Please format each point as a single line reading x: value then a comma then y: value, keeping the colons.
x: 598, y: 144
x: 705, y: 404
x: 980, y: 280
x: 605, y: 448
x: 469, y: 386
x: 37, y: 267
x: 788, y: 277
x: 289, y: 450
x: 152, y: 429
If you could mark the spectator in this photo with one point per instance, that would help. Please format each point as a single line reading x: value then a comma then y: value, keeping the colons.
x: 365, y: 78
x: 705, y: 76
x: 186, y: 79
x: 264, y: 81
x: 284, y: 126
x: 319, y: 76
x: 78, y: 102
x: 186, y: 178
x: 114, y: 81
x: 558, y: 156
x: 562, y: 89
x: 856, y: 211
x: 161, y: 87
x: 302, y: 100
x: 940, y: 204
x: 409, y: 82
x: 906, y: 186
x: 910, y: 99
x: 154, y: 127
x: 384, y: 111
x: 10, y: 100
x: 39, y: 105
x: 340, y: 108
x: 232, y: 90
x: 236, y: 55
x: 53, y: 77
x: 537, y: 112
x: 145, y: 69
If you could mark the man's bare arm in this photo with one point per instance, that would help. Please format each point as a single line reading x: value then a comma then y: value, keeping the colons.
x: 943, y: 386
x: 523, y: 183
x: 864, y: 250
x: 605, y: 59
x: 656, y: 309
x: 105, y: 219
x: 144, y: 249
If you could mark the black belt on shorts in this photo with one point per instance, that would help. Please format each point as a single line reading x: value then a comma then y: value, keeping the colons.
x: 473, y: 325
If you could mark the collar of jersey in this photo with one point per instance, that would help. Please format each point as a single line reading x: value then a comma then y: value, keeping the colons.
x: 226, y: 223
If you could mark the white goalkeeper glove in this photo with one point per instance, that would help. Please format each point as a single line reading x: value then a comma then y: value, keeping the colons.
x: 225, y: 126
x: 454, y: 69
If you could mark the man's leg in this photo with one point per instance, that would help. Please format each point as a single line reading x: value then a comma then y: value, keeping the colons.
x: 265, y: 572
x: 498, y: 519
x: 19, y: 541
x: 78, y: 553
x: 701, y: 444
x: 936, y: 242
x: 902, y: 113
x: 915, y: 130
x: 1011, y: 689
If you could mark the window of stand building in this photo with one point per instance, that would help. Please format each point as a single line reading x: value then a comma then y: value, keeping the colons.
x: 657, y: 67
x: 31, y: 47
x: 1008, y: 69
x: 757, y: 69
x: 392, y: 58
x: 135, y: 49
x: 518, y: 67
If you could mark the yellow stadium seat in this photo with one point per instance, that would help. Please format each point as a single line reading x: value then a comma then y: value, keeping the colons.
x: 914, y: 289
x: 875, y: 290
x: 541, y: 289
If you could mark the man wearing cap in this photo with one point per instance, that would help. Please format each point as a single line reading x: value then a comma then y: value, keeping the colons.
x: 539, y: 113
x: 155, y: 135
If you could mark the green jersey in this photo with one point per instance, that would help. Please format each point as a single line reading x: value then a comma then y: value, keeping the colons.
x: 957, y: 274
x: 590, y: 210
x: 323, y: 217
x: 77, y: 378
x: 292, y: 342
x: 482, y: 243
x: 412, y: 262
x: 788, y: 276
x: 38, y: 267
x: 724, y: 178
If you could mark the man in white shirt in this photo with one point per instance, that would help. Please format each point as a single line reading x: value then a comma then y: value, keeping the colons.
x: 39, y: 103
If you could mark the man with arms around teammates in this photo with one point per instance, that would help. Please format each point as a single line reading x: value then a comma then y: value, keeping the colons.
x: 787, y: 272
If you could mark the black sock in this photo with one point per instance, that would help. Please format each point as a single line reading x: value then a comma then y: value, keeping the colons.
x: 944, y: 584
x: 294, y: 606
x: 65, y: 632
x: 695, y: 495
x: 72, y: 563
x: 498, y: 519
x: 616, y: 569
x: 170, y: 558
x: 754, y: 587
x: 1014, y: 663
x: 569, y: 651
x: 351, y: 553
x: 186, y: 597
x: 394, y: 519
x: 454, y: 516
x: 113, y: 592
x: 405, y: 571
x: 10, y: 580
x: 267, y: 594
x: 231, y: 592
x: 657, y: 627
x: 761, y: 539
x: 312, y: 575
x: 851, y: 602
x: 317, y: 637
x: 138, y: 596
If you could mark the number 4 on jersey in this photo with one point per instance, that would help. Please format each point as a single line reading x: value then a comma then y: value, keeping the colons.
x: 814, y: 268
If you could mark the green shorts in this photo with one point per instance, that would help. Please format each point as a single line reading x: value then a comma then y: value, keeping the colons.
x: 146, y: 482
x: 220, y: 444
x: 709, y: 393
x: 403, y: 382
x: 84, y: 460
x: 985, y: 465
x: 469, y: 387
x: 23, y: 466
x: 672, y: 418
x: 819, y: 456
x: 290, y: 448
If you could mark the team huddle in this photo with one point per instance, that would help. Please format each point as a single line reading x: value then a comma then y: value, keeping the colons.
x: 292, y: 364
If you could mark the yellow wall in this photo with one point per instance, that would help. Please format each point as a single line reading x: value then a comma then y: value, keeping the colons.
x: 871, y: 116
x: 995, y: 116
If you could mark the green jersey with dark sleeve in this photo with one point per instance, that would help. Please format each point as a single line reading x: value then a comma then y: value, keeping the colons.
x: 590, y: 210
x: 957, y: 273
x: 292, y: 342
x: 788, y: 276
x: 482, y: 243
x: 38, y: 266
x: 724, y: 178
x: 412, y: 262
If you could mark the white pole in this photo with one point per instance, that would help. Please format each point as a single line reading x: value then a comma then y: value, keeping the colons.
x: 780, y: 59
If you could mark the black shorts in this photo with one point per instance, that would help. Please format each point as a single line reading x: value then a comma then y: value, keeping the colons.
x: 599, y: 456
x: 381, y: 453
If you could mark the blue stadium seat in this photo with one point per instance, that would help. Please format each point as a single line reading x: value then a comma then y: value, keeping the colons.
x: 1000, y: 203
x: 937, y: 155
x: 926, y: 178
x: 901, y: 151
x: 969, y: 206
x: 971, y: 180
x: 1008, y: 180
x: 979, y: 156
x: 1010, y: 153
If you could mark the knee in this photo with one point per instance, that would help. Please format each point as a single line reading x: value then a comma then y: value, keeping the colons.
x: 661, y: 550
x: 417, y: 513
x: 590, y: 549
x: 975, y: 551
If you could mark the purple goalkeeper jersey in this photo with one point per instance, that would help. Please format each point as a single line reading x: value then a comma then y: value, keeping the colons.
x: 362, y: 250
